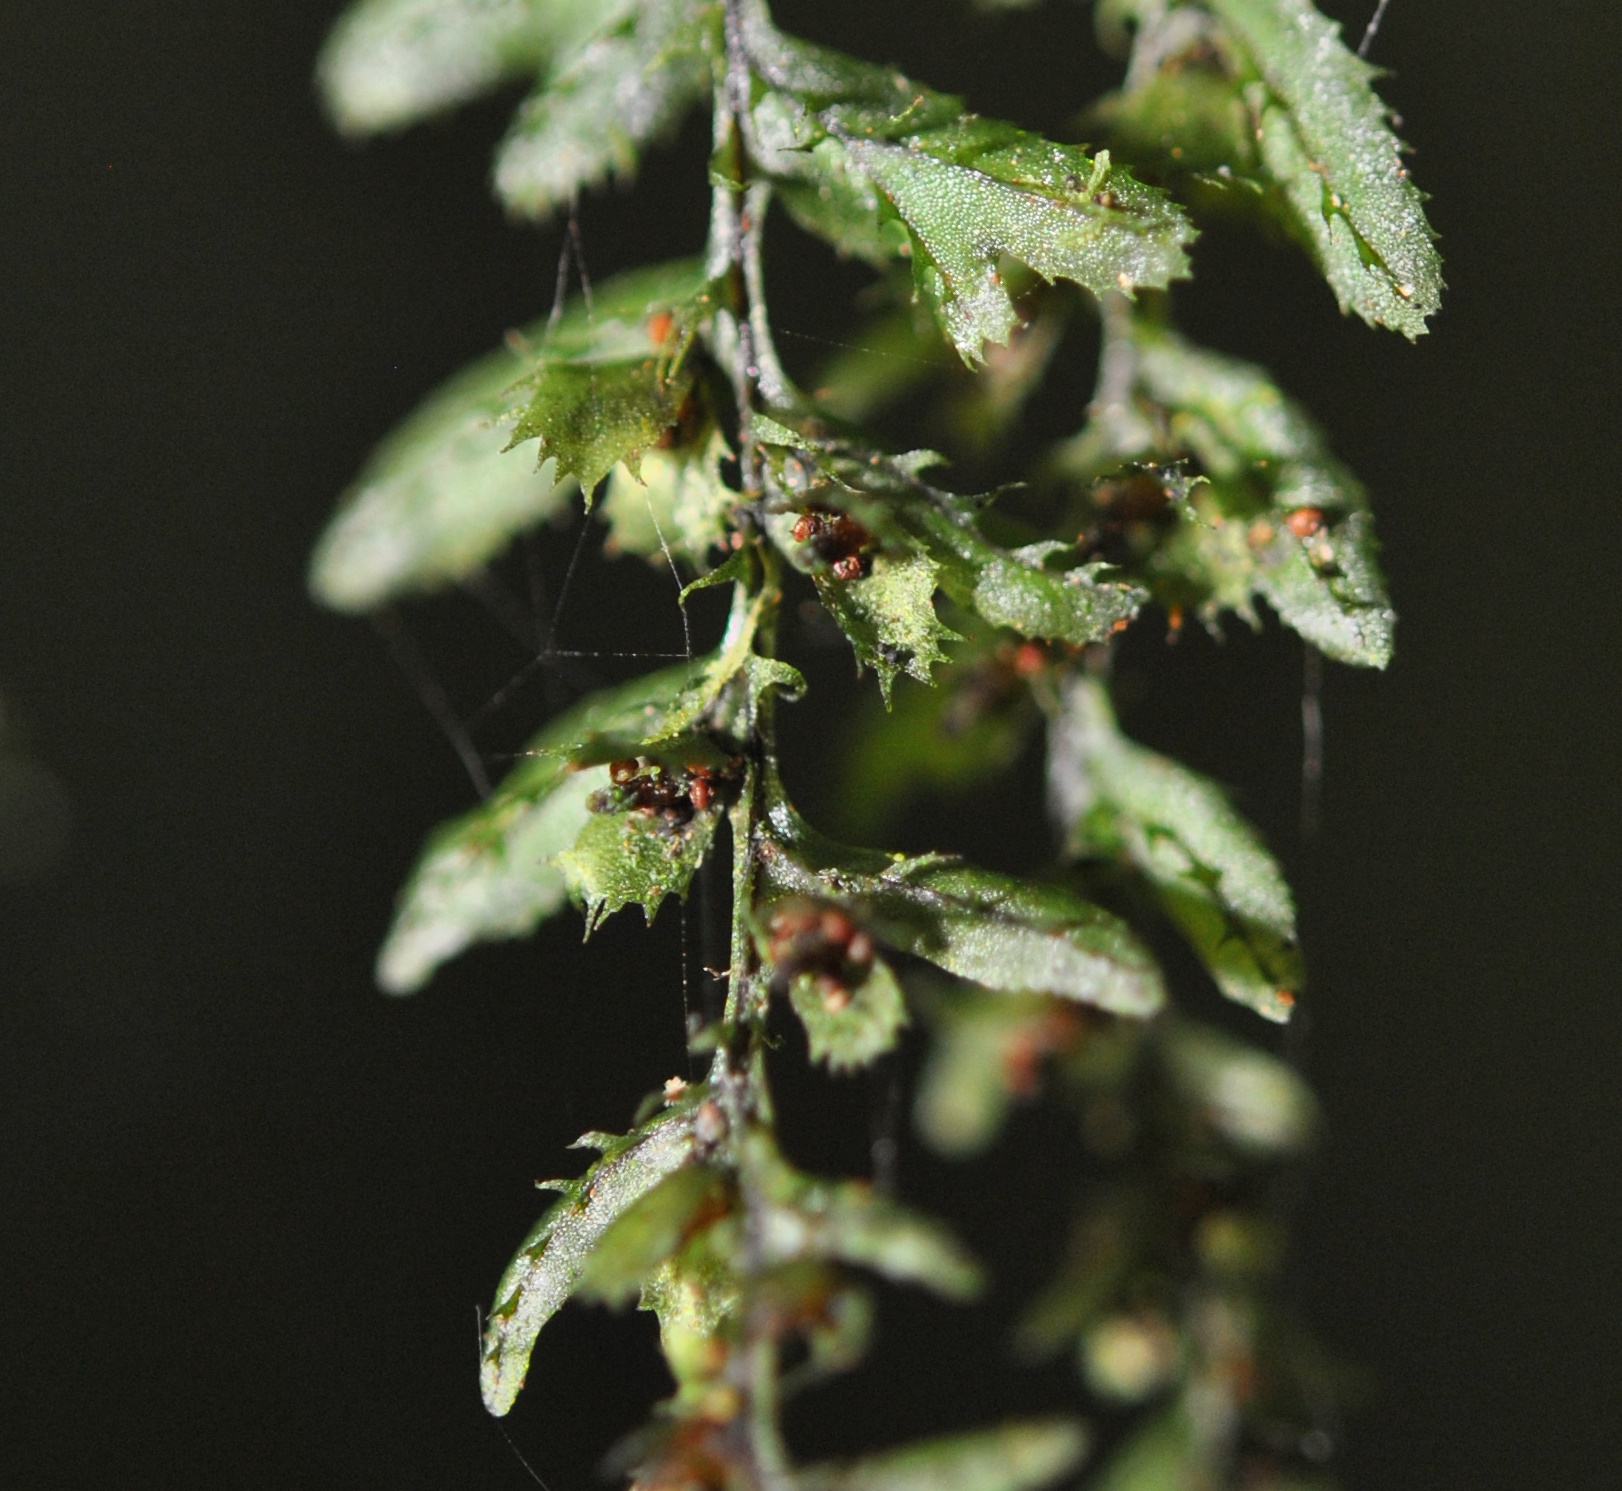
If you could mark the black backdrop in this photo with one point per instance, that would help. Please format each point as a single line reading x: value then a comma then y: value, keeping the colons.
x: 250, y: 1203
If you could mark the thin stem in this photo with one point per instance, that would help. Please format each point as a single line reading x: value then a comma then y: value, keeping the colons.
x: 1117, y: 359
x: 768, y: 371
x: 738, y: 1075
x: 732, y: 227
x: 1373, y: 29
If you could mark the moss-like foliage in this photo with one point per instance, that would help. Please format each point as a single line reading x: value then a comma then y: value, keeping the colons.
x: 1195, y: 488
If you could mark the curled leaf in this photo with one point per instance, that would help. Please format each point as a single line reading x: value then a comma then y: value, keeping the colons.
x: 1265, y: 511
x: 887, y: 509
x: 444, y: 494
x: 1212, y: 873
x: 441, y: 497
x: 977, y: 190
x: 547, y: 1268
x: 995, y: 930
x: 889, y: 616
x: 612, y: 378
x: 634, y: 1248
x: 1260, y: 104
x: 618, y: 859
x: 1325, y: 137
x: 627, y: 84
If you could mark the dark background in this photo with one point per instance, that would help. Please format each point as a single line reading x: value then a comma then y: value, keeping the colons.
x: 249, y: 1204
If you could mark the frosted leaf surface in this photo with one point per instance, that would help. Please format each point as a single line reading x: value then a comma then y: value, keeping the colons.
x: 440, y: 498
x: 443, y: 495
x: 1330, y: 145
x: 487, y: 879
x: 626, y: 87
x: 1016, y: 588
x: 1254, y: 503
x: 547, y: 1267
x: 889, y: 616
x: 390, y: 63
x: 611, y: 379
x: 995, y: 930
x: 1114, y: 799
x: 884, y: 167
x: 620, y: 859
x: 971, y: 194
x: 490, y: 874
x: 1258, y: 104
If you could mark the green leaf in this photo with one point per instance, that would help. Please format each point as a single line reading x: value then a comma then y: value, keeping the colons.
x: 1016, y: 935
x: 490, y: 873
x: 889, y: 616
x: 390, y: 63
x: 613, y: 377
x: 968, y: 1083
x: 968, y: 190
x: 995, y: 930
x: 590, y: 417
x: 642, y: 852
x: 621, y: 858
x: 1331, y: 591
x: 633, y: 1249
x: 693, y: 1300
x: 1016, y: 589
x: 1259, y: 104
x: 1325, y: 137
x: 978, y: 190
x: 903, y: 514
x: 677, y: 504
x: 626, y: 85
x: 1276, y: 515
x: 1015, y: 1457
x: 443, y: 496
x: 734, y: 569
x: 858, y: 1027
x: 1252, y: 1100
x: 547, y: 1268
x: 1163, y: 1455
x: 440, y: 498
x: 1178, y: 829
x: 847, y: 1222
